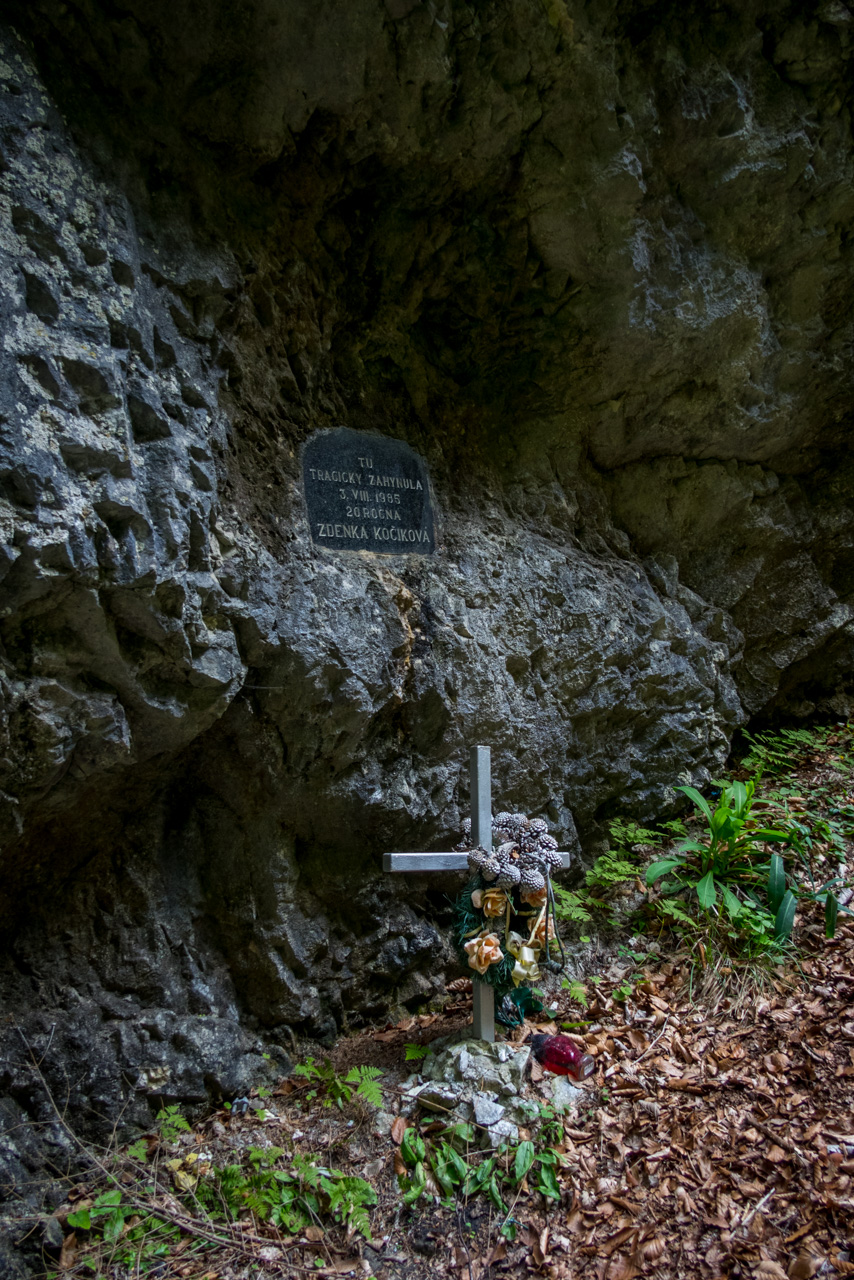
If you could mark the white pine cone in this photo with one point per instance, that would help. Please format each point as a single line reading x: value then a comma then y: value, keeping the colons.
x: 490, y: 869
x: 538, y: 826
x: 551, y: 858
x: 547, y: 842
x: 478, y: 858
x: 530, y: 880
x: 508, y: 876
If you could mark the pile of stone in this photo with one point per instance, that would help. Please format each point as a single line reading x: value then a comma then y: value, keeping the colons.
x: 485, y: 1085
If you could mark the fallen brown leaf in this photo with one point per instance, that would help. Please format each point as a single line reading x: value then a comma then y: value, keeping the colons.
x: 770, y: 1270
x: 471, y: 1267
x: 69, y: 1252
x: 339, y: 1266
x: 622, y: 1268
x: 398, y: 1129
x: 497, y: 1253
x: 652, y: 1250
x: 613, y: 1242
x: 796, y: 1235
x: 803, y: 1266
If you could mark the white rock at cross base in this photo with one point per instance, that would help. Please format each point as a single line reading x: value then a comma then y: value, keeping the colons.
x: 487, y: 1109
x: 565, y: 1095
x: 501, y: 1131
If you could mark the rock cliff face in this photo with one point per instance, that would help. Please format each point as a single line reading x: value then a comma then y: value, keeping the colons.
x: 594, y: 264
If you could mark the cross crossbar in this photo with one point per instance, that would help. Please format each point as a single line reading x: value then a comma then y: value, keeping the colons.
x: 481, y: 834
x: 434, y: 861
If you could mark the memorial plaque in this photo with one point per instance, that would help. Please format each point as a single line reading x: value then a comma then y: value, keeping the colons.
x: 367, y: 493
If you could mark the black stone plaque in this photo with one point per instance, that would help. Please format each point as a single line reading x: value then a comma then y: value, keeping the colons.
x: 367, y: 493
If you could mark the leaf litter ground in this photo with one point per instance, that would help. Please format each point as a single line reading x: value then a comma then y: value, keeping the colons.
x: 715, y: 1139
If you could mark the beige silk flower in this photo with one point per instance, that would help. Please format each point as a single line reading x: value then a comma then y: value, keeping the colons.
x: 539, y: 937
x: 535, y: 897
x: 494, y: 902
x: 483, y: 951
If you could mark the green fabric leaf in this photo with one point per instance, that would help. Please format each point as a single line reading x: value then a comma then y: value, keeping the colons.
x: 412, y: 1147
x: 739, y: 795
x: 524, y: 1160
x: 731, y: 903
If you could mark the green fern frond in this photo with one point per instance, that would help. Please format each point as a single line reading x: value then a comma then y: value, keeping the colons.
x: 569, y: 905
x: 307, y: 1171
x: 624, y: 833
x: 578, y: 992
x: 365, y: 1078
x: 610, y: 870
x: 349, y: 1199
x: 676, y: 910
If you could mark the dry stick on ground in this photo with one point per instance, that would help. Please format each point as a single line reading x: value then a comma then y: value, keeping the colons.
x: 748, y: 1217
x: 650, y: 1047
x: 781, y: 1140
x: 512, y: 1207
x: 191, y: 1226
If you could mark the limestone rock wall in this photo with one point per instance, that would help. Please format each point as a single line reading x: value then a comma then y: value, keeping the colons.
x: 594, y: 263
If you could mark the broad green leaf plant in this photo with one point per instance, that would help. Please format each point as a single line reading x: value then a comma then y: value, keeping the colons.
x: 730, y: 870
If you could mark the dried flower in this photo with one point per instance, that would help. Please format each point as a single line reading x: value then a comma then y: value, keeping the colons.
x: 494, y: 902
x: 483, y: 951
x: 535, y: 897
x: 540, y: 932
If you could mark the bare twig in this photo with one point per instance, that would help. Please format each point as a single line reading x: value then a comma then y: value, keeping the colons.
x: 757, y: 1208
x: 650, y: 1047
x: 780, y: 1139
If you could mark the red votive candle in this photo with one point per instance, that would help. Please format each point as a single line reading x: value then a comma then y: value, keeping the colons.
x: 562, y: 1056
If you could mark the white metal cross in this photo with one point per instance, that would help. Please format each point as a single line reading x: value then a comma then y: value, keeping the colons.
x: 481, y: 835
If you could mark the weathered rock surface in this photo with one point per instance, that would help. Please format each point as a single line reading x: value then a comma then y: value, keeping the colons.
x: 480, y: 1083
x: 594, y: 263
x: 484, y: 1084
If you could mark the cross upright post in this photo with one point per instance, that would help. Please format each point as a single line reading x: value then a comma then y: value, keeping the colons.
x: 480, y: 772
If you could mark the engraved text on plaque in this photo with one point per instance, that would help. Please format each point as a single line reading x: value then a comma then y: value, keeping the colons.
x: 367, y: 493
